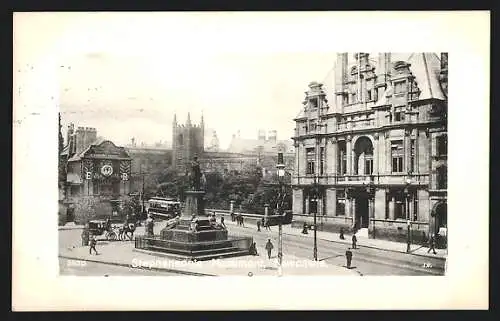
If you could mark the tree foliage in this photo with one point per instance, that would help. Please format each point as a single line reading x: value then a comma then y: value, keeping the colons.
x: 247, y: 188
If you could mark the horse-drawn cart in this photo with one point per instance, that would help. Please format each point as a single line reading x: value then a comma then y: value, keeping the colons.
x: 110, y: 231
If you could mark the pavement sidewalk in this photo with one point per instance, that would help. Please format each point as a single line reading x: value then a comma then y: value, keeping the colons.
x: 362, y: 241
x: 124, y: 254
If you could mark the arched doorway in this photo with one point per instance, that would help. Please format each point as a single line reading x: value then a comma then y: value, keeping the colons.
x: 439, y: 217
x: 363, y: 159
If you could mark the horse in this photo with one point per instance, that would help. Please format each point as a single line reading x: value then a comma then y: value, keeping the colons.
x: 127, y: 230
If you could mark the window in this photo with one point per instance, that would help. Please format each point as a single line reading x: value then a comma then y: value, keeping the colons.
x: 397, y: 116
x: 400, y: 87
x: 353, y: 98
x: 368, y: 166
x: 397, y: 156
x: 310, y: 158
x: 442, y: 145
x: 314, y: 103
x: 442, y: 177
x: 399, y: 205
x: 375, y: 94
x: 322, y: 160
x: 412, y: 155
x: 369, y: 95
x: 343, y: 162
x: 340, y: 210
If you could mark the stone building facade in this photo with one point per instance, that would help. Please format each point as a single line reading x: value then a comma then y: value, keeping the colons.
x: 372, y: 155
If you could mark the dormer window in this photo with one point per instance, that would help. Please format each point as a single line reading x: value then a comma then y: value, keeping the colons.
x: 400, y: 87
x: 314, y: 103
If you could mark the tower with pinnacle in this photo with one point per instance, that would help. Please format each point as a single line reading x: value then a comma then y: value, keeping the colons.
x: 187, y: 142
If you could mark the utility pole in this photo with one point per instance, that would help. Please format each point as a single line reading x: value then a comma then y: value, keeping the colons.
x: 281, y: 174
x: 315, y: 247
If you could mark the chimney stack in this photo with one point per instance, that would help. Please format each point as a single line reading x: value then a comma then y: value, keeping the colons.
x: 340, y: 79
x: 262, y: 134
x: 90, y: 136
x: 70, y: 139
x: 272, y: 136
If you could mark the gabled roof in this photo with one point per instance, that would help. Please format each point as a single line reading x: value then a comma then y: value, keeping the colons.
x: 97, y: 143
x: 79, y: 156
x: 426, y: 68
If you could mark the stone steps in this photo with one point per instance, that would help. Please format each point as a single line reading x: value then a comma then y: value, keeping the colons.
x: 198, y: 255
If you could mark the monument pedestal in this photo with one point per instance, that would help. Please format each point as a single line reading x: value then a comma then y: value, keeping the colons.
x: 208, y: 241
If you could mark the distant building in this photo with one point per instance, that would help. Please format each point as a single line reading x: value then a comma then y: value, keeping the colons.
x: 145, y: 161
x: 98, y: 175
x: 187, y: 142
x: 266, y: 150
x: 373, y: 154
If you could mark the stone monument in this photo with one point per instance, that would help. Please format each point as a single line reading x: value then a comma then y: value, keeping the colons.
x: 194, y: 235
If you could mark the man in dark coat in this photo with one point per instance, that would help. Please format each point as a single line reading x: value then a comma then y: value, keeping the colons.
x: 354, y: 241
x: 258, y: 225
x: 432, y: 244
x: 304, y: 228
x: 92, y: 244
x: 269, y: 248
x: 348, y: 256
x: 341, y: 236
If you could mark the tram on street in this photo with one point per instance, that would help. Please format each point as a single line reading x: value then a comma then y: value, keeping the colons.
x: 163, y: 207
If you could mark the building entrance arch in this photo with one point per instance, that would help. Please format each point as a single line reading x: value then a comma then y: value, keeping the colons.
x: 363, y: 156
x: 439, y: 217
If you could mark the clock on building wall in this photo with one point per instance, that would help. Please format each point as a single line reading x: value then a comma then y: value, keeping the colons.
x: 107, y: 170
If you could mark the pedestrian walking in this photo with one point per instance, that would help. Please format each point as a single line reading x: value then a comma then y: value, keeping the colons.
x: 354, y: 241
x: 266, y: 224
x: 232, y: 217
x: 85, y: 235
x: 432, y: 244
x: 253, y: 249
x: 258, y: 225
x: 304, y: 228
x: 269, y: 248
x: 92, y: 244
x: 242, y: 221
x: 348, y: 257
x: 222, y: 222
x: 341, y: 236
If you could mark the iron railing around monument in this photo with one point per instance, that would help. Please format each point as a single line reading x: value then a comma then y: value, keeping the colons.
x: 155, y: 243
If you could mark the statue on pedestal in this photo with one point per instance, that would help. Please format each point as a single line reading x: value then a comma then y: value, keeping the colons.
x: 195, y: 176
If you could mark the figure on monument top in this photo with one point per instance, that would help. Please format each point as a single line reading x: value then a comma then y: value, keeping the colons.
x: 196, y: 177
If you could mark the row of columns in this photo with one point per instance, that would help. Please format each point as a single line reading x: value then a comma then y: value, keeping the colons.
x: 350, y: 206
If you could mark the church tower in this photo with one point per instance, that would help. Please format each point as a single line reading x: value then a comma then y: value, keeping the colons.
x: 187, y: 142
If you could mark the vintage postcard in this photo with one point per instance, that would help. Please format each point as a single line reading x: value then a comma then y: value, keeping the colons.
x: 232, y: 151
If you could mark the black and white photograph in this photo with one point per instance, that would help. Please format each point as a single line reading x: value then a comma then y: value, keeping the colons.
x: 182, y: 152
x: 356, y: 183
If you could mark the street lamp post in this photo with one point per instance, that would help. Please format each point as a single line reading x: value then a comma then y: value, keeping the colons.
x: 315, y: 247
x: 408, y: 223
x: 281, y: 174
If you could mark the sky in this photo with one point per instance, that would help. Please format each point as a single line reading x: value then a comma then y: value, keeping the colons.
x: 127, y: 77
x: 128, y: 74
x: 137, y: 96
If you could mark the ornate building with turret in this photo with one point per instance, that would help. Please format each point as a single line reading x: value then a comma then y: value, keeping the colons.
x: 372, y: 154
